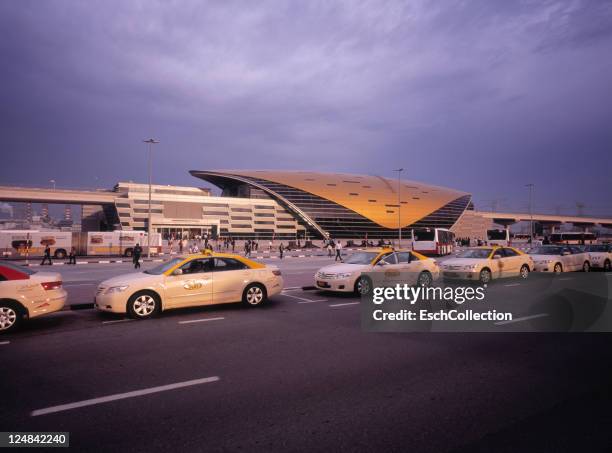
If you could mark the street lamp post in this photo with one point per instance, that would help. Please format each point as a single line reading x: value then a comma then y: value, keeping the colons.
x: 399, y: 207
x: 150, y: 142
x: 530, y: 185
x: 52, y: 181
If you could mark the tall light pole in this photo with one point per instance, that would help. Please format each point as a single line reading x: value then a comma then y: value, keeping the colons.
x: 530, y: 185
x: 399, y: 207
x: 150, y: 142
x: 52, y: 181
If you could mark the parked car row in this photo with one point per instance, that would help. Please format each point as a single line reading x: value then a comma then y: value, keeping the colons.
x: 216, y: 278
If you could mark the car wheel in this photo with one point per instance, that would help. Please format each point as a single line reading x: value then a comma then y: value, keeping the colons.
x: 586, y: 267
x: 10, y: 316
x: 60, y: 254
x: 485, y: 276
x: 425, y: 279
x: 524, y: 271
x: 363, y: 286
x: 254, y: 295
x: 143, y: 304
x: 558, y: 268
x: 607, y: 266
x: 128, y: 253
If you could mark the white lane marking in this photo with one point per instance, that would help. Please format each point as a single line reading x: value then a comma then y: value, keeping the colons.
x: 566, y: 278
x: 104, y: 262
x: 121, y: 396
x: 344, y: 305
x: 304, y: 300
x: 293, y: 288
x: 116, y: 321
x: 609, y: 274
x: 513, y: 284
x: 4, y: 342
x: 200, y: 320
x: 523, y: 318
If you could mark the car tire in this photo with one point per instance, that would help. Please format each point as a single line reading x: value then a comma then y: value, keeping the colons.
x: 128, y: 253
x: 607, y: 267
x: 143, y: 305
x: 586, y: 267
x: 425, y: 279
x: 558, y: 268
x: 524, y: 272
x: 60, y: 254
x: 11, y: 316
x: 485, y: 276
x: 363, y: 286
x: 254, y: 295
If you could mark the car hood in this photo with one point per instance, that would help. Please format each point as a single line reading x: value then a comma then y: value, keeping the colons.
x: 544, y: 257
x: 130, y: 279
x: 344, y: 268
x: 463, y: 261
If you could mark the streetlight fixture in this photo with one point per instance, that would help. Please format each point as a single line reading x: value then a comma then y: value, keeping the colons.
x: 150, y: 142
x: 399, y: 207
x: 52, y: 181
x: 530, y: 185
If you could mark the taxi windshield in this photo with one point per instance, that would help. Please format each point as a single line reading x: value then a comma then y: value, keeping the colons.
x: 474, y: 253
x: 546, y: 251
x: 361, y: 258
x: 158, y: 270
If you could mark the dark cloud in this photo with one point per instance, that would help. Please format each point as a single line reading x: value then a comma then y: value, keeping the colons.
x: 482, y: 96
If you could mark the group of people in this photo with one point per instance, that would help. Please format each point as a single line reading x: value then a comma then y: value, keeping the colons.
x: 332, y: 246
x: 48, y: 260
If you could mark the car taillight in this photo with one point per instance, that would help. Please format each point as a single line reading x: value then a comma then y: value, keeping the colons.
x: 51, y: 285
x: 276, y: 272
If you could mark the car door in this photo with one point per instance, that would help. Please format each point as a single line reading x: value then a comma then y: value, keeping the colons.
x: 410, y: 267
x: 512, y: 262
x: 580, y: 256
x: 191, y: 285
x: 387, y: 270
x: 230, y: 277
x: 497, y: 263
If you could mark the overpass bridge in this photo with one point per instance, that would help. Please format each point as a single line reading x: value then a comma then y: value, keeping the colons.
x: 551, y: 221
x: 60, y: 196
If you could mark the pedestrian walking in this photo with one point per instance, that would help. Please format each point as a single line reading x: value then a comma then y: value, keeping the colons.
x: 338, y: 251
x: 136, y: 256
x: 329, y: 249
x: 233, y: 245
x: 72, y: 256
x: 47, y: 256
x: 281, y: 250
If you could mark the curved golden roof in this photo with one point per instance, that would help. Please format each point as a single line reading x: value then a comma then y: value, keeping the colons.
x: 374, y: 197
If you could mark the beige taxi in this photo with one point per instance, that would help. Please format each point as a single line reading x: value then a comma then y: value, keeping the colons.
x: 199, y: 279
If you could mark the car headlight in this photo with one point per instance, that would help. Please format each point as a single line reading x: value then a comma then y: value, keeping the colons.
x: 116, y: 289
x: 470, y: 267
x: 545, y: 262
x: 345, y: 275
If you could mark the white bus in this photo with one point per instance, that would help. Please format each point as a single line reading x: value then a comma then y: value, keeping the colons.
x: 433, y: 241
x: 120, y: 242
x: 575, y: 238
x: 498, y: 237
x: 22, y: 243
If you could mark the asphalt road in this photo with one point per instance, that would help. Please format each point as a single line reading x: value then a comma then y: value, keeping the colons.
x: 300, y: 375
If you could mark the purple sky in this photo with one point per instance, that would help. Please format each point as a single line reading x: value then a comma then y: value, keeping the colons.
x: 483, y: 96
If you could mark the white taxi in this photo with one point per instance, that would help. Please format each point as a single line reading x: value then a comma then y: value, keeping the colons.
x: 402, y: 266
x: 483, y: 264
x: 200, y: 279
x: 25, y: 293
x: 600, y: 256
x: 560, y: 258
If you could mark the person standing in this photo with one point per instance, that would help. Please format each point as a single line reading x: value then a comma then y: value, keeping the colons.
x: 72, y: 256
x: 338, y: 251
x: 281, y: 250
x: 329, y: 249
x: 47, y: 256
x: 136, y: 257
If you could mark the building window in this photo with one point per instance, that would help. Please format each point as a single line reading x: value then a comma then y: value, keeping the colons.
x: 263, y: 207
x: 241, y: 209
x: 241, y: 225
x: 372, y: 201
x: 122, y: 205
x: 354, y: 194
x: 223, y: 213
x: 264, y: 222
x: 264, y: 214
x: 216, y: 205
x: 240, y: 217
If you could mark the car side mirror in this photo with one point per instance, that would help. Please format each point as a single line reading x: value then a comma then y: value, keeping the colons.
x: 381, y: 263
x: 177, y: 272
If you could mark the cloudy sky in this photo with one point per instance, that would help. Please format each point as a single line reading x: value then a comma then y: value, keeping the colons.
x: 483, y: 96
